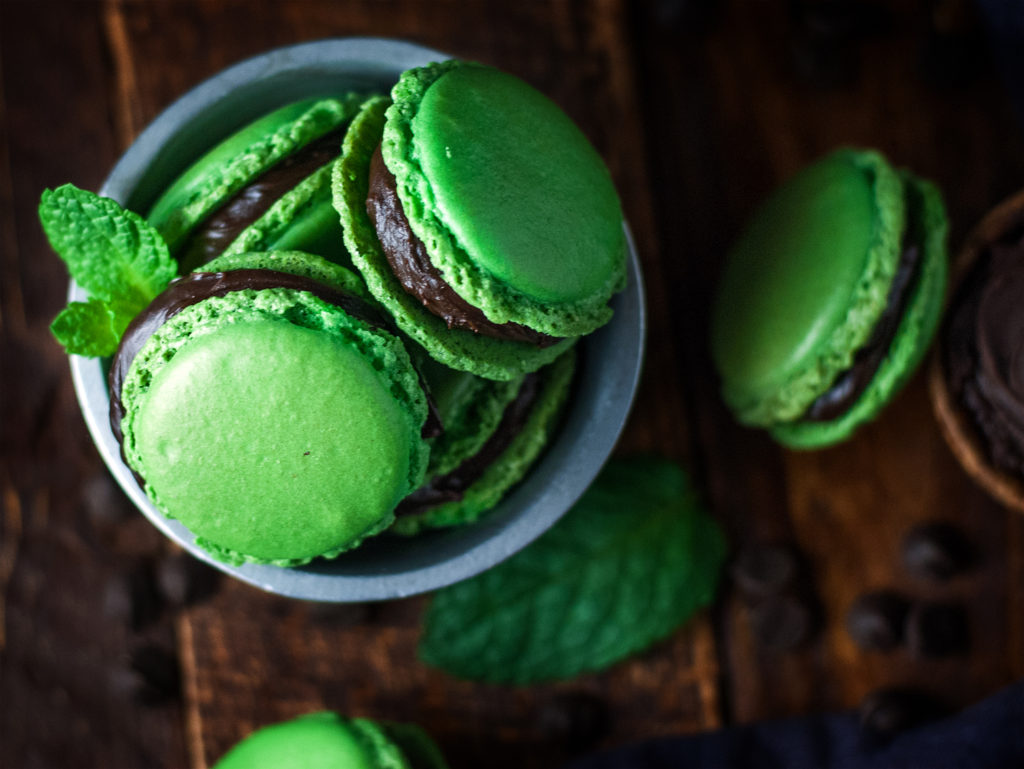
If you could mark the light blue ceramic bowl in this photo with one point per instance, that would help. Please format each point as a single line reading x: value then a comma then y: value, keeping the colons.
x: 385, y: 567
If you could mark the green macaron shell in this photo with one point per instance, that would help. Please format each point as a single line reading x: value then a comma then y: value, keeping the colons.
x: 516, y: 208
x: 274, y: 426
x: 456, y: 348
x: 805, y: 283
x: 303, y: 219
x: 512, y: 465
x: 416, y: 745
x: 317, y: 741
x: 928, y: 223
x: 294, y: 263
x: 240, y: 158
x: 470, y: 408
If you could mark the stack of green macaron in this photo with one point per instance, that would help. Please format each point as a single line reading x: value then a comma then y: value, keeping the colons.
x: 375, y: 319
x: 829, y: 298
x: 325, y: 740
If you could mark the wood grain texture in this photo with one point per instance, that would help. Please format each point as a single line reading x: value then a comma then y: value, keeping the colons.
x: 68, y: 696
x: 700, y: 108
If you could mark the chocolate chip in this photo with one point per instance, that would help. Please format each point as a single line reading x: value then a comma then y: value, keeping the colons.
x: 131, y: 597
x: 887, y: 712
x: 937, y: 630
x: 937, y: 551
x: 782, y: 623
x: 765, y: 570
x: 185, y: 581
x: 876, y: 620
x: 157, y: 675
x: 576, y: 720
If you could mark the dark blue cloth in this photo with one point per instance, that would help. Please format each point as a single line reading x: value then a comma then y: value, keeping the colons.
x: 989, y: 735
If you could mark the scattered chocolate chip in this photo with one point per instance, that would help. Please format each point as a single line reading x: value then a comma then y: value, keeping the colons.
x: 158, y: 676
x: 937, y: 630
x: 782, y: 623
x: 887, y: 712
x: 104, y: 502
x: 576, y: 720
x: 185, y: 581
x: 340, y: 615
x: 937, y: 551
x: 760, y: 571
x: 131, y: 597
x: 876, y: 620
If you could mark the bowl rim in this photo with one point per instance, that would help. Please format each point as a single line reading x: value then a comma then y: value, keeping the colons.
x: 556, y: 480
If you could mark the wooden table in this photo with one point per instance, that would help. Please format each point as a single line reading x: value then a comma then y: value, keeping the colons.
x: 699, y: 109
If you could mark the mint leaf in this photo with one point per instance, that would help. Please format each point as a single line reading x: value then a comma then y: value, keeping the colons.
x: 111, y: 252
x: 624, y: 568
x: 86, y: 328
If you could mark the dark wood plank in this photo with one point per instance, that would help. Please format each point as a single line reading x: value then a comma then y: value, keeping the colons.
x: 67, y: 538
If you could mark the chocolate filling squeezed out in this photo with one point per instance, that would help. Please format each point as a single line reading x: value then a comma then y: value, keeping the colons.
x: 983, y: 352
x: 852, y: 383
x: 411, y: 265
x: 220, y: 229
x: 196, y: 287
x: 452, y: 487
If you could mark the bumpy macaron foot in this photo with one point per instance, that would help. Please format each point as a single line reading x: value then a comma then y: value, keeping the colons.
x: 483, y: 455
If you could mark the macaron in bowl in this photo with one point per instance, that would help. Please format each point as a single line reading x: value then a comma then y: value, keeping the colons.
x: 481, y: 218
x: 976, y: 377
x: 829, y: 298
x: 265, y: 405
x: 578, y: 439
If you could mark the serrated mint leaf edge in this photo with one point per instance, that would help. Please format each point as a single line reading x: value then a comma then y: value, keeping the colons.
x: 136, y: 262
x: 700, y: 581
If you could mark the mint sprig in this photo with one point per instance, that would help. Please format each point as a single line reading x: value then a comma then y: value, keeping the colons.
x: 634, y: 559
x: 112, y: 253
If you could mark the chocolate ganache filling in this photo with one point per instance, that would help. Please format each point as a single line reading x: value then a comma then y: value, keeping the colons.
x: 452, y: 487
x: 847, y: 389
x: 411, y: 265
x: 983, y: 351
x: 194, y: 288
x: 251, y: 202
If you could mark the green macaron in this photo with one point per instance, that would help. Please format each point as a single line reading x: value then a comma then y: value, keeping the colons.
x: 266, y: 186
x: 278, y: 421
x: 829, y: 298
x: 494, y: 432
x: 501, y: 198
x: 325, y: 740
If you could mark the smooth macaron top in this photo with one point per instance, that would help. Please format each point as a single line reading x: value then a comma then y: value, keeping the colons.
x: 273, y: 424
x: 804, y: 284
x: 240, y: 158
x: 327, y: 741
x: 516, y: 208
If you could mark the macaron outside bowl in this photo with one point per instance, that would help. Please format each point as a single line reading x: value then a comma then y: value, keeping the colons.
x: 387, y: 566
